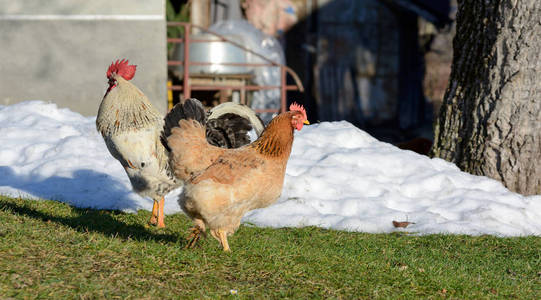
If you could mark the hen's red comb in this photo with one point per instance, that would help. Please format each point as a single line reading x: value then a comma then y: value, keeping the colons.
x: 298, y: 107
x: 121, y: 68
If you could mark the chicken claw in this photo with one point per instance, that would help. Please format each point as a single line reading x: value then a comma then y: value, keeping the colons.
x: 157, y: 216
x: 154, y: 217
x: 221, y: 236
x: 161, y: 215
x: 194, y: 237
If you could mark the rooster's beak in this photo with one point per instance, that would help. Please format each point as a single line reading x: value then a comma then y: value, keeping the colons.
x: 306, y: 122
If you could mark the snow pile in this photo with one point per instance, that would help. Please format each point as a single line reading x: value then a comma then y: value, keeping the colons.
x: 337, y: 177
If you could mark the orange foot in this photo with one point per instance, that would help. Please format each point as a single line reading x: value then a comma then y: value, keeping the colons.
x: 160, y: 224
x: 154, y: 217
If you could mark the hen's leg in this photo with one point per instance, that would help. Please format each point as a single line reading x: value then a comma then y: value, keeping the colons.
x: 198, y: 229
x: 161, y: 224
x: 221, y: 236
x: 154, y: 217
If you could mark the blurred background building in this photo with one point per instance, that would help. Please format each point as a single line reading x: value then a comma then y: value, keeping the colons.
x: 59, y: 50
x: 381, y: 64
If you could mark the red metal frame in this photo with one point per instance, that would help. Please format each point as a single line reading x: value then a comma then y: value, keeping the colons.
x: 186, y: 88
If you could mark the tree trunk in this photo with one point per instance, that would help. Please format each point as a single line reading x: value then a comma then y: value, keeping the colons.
x: 490, y: 119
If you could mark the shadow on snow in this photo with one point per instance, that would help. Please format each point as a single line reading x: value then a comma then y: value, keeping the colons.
x: 88, y: 189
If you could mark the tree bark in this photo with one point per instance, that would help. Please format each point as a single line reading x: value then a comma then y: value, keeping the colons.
x: 490, y: 120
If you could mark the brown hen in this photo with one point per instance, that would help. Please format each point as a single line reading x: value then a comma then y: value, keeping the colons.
x: 221, y: 185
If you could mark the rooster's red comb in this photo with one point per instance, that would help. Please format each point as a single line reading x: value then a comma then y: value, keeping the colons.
x: 121, y: 68
x: 298, y: 107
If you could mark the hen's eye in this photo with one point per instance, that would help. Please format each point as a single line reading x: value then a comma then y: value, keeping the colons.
x: 142, y: 165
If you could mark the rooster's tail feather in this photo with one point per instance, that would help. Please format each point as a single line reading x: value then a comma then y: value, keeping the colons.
x: 229, y: 124
x: 190, y: 109
x: 228, y: 131
x: 239, y: 110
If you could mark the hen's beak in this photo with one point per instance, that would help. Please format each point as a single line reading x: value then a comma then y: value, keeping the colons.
x: 306, y: 122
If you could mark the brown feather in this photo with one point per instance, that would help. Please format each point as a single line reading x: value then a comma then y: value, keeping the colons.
x: 277, y: 139
x: 190, y: 153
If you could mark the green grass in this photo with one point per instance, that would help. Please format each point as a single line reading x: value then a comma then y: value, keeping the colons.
x: 55, y: 251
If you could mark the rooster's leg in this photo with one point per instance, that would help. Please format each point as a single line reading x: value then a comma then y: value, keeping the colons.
x: 154, y: 217
x: 197, y: 230
x: 161, y: 224
x: 221, y: 235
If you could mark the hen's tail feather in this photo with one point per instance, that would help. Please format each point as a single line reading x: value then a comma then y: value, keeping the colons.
x: 190, y: 109
x: 190, y: 151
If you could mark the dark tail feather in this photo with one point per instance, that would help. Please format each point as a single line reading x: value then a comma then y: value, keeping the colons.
x: 190, y: 109
x: 229, y: 123
x: 227, y: 126
x: 228, y: 131
x: 239, y: 110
